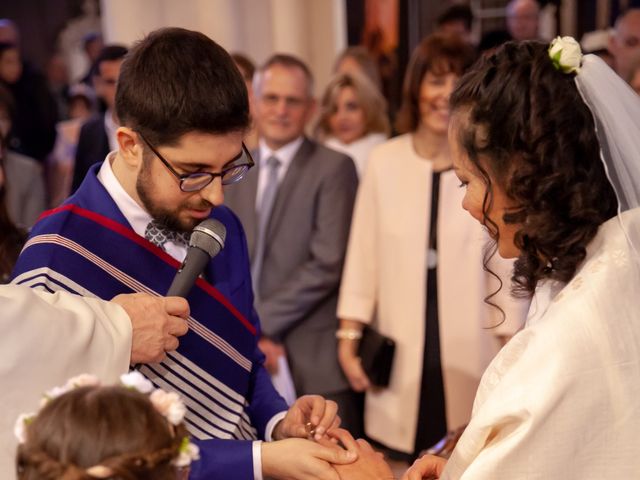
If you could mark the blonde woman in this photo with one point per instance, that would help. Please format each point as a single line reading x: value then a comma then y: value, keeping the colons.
x: 353, y: 117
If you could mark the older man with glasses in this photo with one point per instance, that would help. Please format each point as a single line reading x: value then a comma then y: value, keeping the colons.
x: 183, y: 109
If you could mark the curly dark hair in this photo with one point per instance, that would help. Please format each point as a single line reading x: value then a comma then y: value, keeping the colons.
x: 528, y: 130
x: 114, y: 427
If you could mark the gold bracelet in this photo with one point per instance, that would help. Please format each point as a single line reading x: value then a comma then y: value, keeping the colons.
x: 348, y: 334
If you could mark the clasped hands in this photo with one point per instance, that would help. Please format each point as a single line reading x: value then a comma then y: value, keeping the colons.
x: 309, y: 445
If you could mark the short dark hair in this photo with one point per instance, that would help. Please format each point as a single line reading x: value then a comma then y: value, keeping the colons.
x: 439, y: 53
x: 177, y: 81
x: 456, y: 13
x: 530, y: 132
x: 289, y: 61
x: 109, y: 53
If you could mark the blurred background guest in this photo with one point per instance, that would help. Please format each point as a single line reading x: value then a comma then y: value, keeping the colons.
x: 247, y: 69
x: 98, y: 134
x: 358, y: 59
x: 60, y: 164
x: 624, y: 43
x: 12, y: 238
x: 523, y: 23
x: 353, y: 117
x: 33, y: 132
x: 24, y: 184
x: 92, y: 45
x: 58, y: 81
x: 414, y: 268
x: 523, y: 19
x: 634, y: 75
x: 597, y: 43
x: 457, y: 19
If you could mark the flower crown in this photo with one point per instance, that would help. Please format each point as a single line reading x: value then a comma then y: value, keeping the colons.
x: 168, y: 404
x: 566, y: 54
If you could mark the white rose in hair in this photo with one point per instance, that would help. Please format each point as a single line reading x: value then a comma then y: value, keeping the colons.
x: 188, y: 453
x: 566, y: 54
x: 20, y: 428
x: 137, y: 381
x: 169, y: 405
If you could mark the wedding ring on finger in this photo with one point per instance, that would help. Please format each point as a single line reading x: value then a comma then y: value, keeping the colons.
x: 311, y: 430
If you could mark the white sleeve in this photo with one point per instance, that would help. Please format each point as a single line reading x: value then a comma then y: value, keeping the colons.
x: 47, y: 338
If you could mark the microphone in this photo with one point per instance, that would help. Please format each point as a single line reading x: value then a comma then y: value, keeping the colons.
x: 207, y: 239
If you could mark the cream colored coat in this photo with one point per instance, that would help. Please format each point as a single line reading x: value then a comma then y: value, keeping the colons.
x: 562, y: 398
x: 46, y: 339
x: 384, y: 282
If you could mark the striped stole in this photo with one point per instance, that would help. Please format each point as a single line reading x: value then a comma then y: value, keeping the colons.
x: 89, y: 254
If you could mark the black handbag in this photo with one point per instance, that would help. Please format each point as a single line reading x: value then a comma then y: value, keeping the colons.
x: 376, y: 354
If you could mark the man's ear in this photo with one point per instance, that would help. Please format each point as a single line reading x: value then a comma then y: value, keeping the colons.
x: 129, y: 146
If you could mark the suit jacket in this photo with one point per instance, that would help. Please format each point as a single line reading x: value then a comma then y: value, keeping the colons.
x: 304, y: 253
x: 93, y: 147
x: 26, y: 197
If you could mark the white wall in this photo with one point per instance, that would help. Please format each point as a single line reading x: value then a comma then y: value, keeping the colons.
x: 314, y: 30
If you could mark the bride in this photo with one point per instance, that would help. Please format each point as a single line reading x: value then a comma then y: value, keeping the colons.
x: 546, y: 144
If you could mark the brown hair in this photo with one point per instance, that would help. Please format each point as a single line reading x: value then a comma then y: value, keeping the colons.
x: 529, y: 131
x: 371, y: 101
x: 114, y: 427
x: 245, y: 65
x: 437, y: 53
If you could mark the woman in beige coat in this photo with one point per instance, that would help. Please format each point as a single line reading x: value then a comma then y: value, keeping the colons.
x: 414, y: 269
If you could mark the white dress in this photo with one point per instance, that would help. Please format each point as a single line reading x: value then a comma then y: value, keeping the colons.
x: 384, y: 282
x: 359, y: 150
x: 46, y: 339
x: 562, y: 398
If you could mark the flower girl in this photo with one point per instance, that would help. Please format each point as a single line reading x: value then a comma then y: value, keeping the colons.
x: 86, y: 431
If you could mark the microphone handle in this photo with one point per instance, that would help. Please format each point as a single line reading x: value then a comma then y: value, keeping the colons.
x: 191, y: 268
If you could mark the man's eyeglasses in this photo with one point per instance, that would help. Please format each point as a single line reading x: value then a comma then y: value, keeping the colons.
x: 233, y: 172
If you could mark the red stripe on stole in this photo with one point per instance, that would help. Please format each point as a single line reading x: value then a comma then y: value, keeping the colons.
x: 157, y: 251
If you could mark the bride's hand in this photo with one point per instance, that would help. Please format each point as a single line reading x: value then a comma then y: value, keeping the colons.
x: 426, y: 467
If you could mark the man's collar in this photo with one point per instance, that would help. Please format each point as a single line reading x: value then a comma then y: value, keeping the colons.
x: 137, y: 216
x: 285, y: 154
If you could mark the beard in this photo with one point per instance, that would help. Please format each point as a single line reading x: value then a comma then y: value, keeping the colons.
x: 167, y: 217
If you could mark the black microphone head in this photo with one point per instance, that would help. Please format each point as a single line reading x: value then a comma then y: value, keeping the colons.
x: 209, y: 236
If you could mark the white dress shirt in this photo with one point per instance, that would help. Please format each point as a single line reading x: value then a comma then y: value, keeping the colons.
x: 284, y: 154
x: 139, y: 218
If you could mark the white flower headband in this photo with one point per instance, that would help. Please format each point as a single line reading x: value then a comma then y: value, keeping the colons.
x: 566, y: 54
x: 168, y: 404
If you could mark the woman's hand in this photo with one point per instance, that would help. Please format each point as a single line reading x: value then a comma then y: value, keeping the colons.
x: 426, y: 467
x: 348, y: 356
x: 370, y: 464
x: 352, y: 368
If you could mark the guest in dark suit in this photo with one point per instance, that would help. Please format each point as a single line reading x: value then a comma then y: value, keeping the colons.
x: 98, y: 135
x: 296, y: 209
